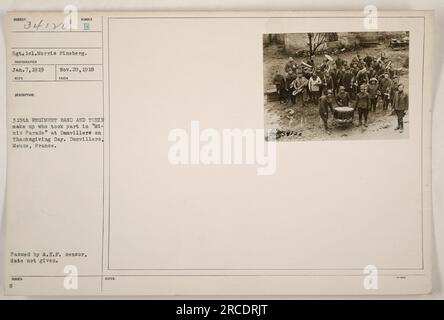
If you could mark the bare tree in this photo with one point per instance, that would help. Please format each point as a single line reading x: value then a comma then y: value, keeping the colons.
x: 315, y: 40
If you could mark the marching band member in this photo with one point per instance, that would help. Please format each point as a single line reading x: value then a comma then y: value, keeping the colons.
x: 385, y: 87
x: 291, y: 65
x: 325, y: 66
x: 334, y: 76
x: 372, y: 90
x: 289, y: 81
x: 279, y: 82
x: 325, y: 103
x: 400, y: 105
x: 348, y: 81
x: 342, y: 98
x: 314, y: 86
x: 300, y: 85
x: 362, y: 104
x: 362, y: 75
x: 394, y: 89
x: 328, y: 83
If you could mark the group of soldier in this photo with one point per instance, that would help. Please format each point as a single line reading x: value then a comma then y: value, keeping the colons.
x: 358, y: 84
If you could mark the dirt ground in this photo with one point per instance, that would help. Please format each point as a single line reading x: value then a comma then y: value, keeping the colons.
x: 381, y: 124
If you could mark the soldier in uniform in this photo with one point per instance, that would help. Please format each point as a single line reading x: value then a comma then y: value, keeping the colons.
x: 342, y: 98
x: 291, y: 65
x: 334, y: 74
x: 289, y: 81
x: 279, y: 82
x: 362, y: 104
x: 362, y: 76
x: 325, y: 103
x: 372, y: 90
x: 340, y: 79
x: 368, y: 60
x: 400, y: 105
x: 394, y: 89
x: 329, y: 83
x: 325, y: 66
x: 348, y: 81
x: 300, y: 87
x: 314, y: 86
x: 385, y: 86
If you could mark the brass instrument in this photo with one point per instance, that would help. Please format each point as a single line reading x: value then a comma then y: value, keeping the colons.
x: 296, y: 90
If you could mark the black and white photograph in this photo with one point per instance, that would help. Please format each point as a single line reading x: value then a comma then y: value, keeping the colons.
x: 280, y: 151
x: 334, y: 86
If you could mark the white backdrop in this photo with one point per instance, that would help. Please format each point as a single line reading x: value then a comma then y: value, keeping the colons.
x: 438, y: 99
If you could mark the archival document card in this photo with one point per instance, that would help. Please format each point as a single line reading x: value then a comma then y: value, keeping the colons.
x: 218, y: 153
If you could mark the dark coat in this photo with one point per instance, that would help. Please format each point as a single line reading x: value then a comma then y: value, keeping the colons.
x: 372, y: 90
x: 385, y: 85
x: 348, y: 79
x: 324, y: 105
x: 343, y: 99
x: 279, y: 81
x: 401, y: 101
x: 329, y: 83
x: 362, y: 100
x: 291, y: 66
x: 362, y: 77
x: 289, y: 79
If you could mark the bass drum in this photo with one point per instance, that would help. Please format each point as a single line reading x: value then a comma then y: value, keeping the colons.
x: 343, y: 114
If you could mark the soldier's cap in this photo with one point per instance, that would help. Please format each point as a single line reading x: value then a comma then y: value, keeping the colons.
x: 329, y: 92
x: 291, y: 59
x: 373, y: 79
x: 341, y: 88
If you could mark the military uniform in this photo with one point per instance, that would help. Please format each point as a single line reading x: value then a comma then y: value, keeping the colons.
x: 288, y: 81
x: 401, y: 105
x: 385, y: 86
x: 362, y: 104
x: 291, y: 65
x: 343, y: 99
x: 348, y: 81
x: 372, y: 90
x: 362, y: 77
x: 329, y: 84
x: 324, y: 105
x: 314, y: 88
x: 301, y: 82
x: 394, y: 90
x: 368, y: 61
x: 279, y: 82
